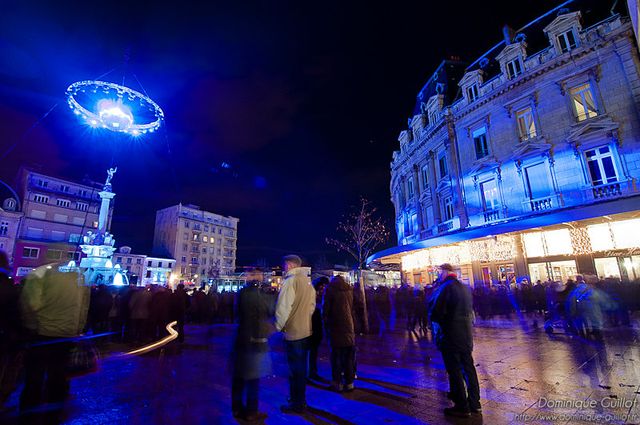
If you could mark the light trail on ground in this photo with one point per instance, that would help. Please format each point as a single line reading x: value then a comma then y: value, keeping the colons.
x: 173, y: 334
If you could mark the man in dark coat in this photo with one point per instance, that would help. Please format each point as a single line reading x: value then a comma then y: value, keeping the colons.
x: 250, y: 355
x: 319, y: 285
x: 451, y: 312
x: 337, y: 312
x: 179, y: 305
x: 10, y: 331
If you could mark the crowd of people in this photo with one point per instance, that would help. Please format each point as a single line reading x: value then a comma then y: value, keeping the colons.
x: 40, y: 318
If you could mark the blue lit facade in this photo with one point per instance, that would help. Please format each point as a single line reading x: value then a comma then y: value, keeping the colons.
x: 526, y: 162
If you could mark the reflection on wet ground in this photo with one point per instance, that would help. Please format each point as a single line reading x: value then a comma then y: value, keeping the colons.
x: 401, y: 379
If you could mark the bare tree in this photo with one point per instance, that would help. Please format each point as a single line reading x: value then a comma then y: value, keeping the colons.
x: 361, y: 233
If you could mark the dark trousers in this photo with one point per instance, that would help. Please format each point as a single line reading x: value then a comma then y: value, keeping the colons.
x: 45, y: 374
x: 139, y: 330
x: 240, y: 387
x: 343, y: 362
x: 297, y: 355
x: 461, y: 371
x: 180, y: 329
x: 313, y: 357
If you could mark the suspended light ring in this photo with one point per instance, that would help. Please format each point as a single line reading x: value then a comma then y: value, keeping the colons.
x: 113, y: 111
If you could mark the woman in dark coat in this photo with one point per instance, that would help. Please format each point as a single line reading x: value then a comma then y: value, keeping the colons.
x: 250, y: 357
x: 337, y: 312
x: 316, y: 328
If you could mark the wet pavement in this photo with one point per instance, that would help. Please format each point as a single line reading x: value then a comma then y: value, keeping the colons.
x: 401, y: 379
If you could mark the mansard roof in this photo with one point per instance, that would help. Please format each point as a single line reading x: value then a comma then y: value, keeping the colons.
x: 592, y: 12
x: 443, y: 81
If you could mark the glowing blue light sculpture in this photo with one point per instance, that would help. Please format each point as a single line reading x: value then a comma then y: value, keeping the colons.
x: 116, y: 108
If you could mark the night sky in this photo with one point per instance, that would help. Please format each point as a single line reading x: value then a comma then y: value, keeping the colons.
x: 302, y: 100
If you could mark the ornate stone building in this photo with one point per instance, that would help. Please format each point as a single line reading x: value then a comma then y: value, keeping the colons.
x: 525, y: 162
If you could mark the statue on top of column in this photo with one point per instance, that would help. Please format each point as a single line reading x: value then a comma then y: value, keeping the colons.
x: 110, y: 173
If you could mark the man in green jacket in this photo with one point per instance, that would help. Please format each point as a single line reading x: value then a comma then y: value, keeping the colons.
x: 54, y: 309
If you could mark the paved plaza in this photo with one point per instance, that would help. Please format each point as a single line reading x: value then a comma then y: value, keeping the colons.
x: 401, y: 379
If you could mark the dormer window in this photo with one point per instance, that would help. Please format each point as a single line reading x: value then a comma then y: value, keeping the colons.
x: 564, y: 32
x: 472, y: 92
x: 470, y: 85
x: 514, y: 68
x: 433, y: 117
x: 567, y: 41
x: 433, y: 108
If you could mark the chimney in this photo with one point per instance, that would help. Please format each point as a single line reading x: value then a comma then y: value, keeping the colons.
x: 508, y: 33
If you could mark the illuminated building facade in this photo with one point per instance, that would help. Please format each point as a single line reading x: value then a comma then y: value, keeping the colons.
x: 10, y: 219
x: 203, y: 243
x: 525, y: 163
x: 56, y: 214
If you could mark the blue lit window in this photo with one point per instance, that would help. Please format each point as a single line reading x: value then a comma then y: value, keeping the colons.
x: 410, y: 187
x: 537, y: 181
x: 602, y: 169
x: 472, y: 92
x: 480, y: 142
x: 414, y: 223
x: 514, y: 68
x: 425, y: 176
x: 442, y: 165
x: 567, y: 41
x: 447, y: 208
x: 490, y: 198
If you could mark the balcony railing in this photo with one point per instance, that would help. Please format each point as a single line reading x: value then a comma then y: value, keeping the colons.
x: 485, y: 217
x: 492, y: 215
x: 607, y: 191
x: 541, y: 204
x: 449, y: 225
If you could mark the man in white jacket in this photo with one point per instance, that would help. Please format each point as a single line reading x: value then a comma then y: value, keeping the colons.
x: 295, y: 306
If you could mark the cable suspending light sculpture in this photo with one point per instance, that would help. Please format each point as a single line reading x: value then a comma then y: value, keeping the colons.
x: 115, y: 107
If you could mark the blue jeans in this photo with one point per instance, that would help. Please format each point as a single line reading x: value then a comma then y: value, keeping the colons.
x: 297, y: 354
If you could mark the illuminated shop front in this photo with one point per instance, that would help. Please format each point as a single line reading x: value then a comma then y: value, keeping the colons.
x: 605, y: 246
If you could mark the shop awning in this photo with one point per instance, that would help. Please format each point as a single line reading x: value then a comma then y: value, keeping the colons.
x: 628, y: 207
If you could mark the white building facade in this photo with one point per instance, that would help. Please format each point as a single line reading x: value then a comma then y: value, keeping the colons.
x: 146, y: 270
x: 203, y: 243
x: 531, y: 170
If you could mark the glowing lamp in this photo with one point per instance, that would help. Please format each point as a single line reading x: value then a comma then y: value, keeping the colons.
x: 115, y: 114
x: 118, y: 108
